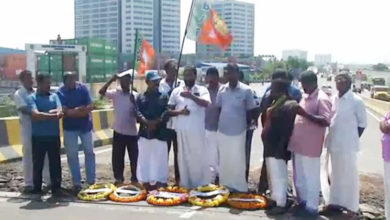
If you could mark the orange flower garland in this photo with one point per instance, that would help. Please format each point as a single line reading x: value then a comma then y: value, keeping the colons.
x: 247, y: 201
x: 128, y: 193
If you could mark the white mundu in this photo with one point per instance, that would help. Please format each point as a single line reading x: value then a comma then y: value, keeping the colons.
x: 190, y: 130
x: 20, y: 98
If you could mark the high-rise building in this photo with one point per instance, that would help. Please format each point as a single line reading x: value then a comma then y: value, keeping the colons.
x: 118, y: 20
x: 98, y: 19
x: 322, y: 59
x: 300, y: 54
x: 240, y: 19
x: 157, y: 20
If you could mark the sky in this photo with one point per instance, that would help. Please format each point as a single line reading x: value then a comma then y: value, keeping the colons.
x: 353, y: 31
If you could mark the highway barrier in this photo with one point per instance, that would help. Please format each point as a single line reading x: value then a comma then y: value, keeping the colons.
x: 378, y: 106
x: 11, y: 143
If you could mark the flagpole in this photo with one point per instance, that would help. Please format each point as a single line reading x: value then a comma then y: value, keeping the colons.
x: 182, y: 43
x: 134, y: 60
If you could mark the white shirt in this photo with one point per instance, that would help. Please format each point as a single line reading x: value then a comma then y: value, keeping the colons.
x: 124, y: 112
x: 20, y: 99
x: 196, y: 119
x: 165, y: 88
x: 349, y: 113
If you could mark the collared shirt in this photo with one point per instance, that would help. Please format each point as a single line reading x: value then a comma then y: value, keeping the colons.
x: 166, y: 89
x: 386, y: 141
x: 308, y: 137
x: 72, y: 99
x: 125, y: 121
x: 212, y: 111
x: 44, y: 103
x: 196, y: 119
x: 234, y: 104
x: 153, y: 106
x: 349, y: 113
x: 20, y: 99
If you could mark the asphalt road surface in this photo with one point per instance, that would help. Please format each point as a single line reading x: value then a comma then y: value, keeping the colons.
x: 370, y: 162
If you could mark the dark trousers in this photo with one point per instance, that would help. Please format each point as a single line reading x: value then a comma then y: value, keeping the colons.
x: 51, y: 146
x: 173, y: 141
x: 248, y: 147
x: 263, y: 183
x: 119, y: 144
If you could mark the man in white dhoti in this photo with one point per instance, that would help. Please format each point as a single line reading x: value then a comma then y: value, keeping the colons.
x: 152, y: 107
x: 306, y: 145
x: 24, y: 112
x: 188, y: 104
x: 347, y: 125
x: 212, y: 113
x: 235, y: 101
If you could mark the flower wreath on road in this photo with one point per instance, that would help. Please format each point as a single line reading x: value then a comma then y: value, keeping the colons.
x: 168, y: 196
x: 209, y: 195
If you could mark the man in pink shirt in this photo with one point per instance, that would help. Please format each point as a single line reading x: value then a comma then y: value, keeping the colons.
x: 385, y: 128
x: 314, y: 115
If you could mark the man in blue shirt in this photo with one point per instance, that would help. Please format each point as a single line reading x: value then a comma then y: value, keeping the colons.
x: 77, y: 107
x: 46, y: 113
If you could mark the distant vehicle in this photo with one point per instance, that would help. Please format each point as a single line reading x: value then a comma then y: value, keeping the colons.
x: 378, y: 81
x: 327, y: 90
x: 366, y: 85
x: 380, y: 92
x: 357, y: 86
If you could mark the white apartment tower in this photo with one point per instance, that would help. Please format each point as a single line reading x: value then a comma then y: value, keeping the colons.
x: 240, y: 19
x: 300, y: 54
x: 118, y: 20
x: 157, y: 20
x: 98, y: 19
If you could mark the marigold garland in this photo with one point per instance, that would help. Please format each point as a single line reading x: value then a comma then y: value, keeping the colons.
x: 247, y: 201
x: 168, y: 196
x: 209, y: 195
x: 129, y: 193
x: 95, y: 192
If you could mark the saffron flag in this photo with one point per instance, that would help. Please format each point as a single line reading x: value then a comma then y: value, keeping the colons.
x: 200, y: 13
x: 215, y: 32
x: 144, y: 54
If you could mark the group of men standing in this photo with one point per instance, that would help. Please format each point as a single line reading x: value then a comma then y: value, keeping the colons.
x: 210, y: 129
x: 40, y: 112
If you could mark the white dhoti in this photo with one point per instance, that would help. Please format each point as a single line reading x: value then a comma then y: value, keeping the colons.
x: 307, y: 180
x: 28, y: 160
x: 212, y: 150
x: 232, y: 161
x: 344, y: 180
x: 386, y: 180
x: 152, y: 161
x: 278, y: 180
x: 192, y: 158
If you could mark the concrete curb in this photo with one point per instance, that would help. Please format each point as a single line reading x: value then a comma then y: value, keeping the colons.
x: 377, y: 106
x: 15, y: 152
x: 10, y: 137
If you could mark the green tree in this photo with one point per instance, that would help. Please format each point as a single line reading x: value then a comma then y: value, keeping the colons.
x: 380, y: 67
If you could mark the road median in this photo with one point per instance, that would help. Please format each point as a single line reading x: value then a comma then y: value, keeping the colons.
x: 11, y: 143
x: 377, y: 106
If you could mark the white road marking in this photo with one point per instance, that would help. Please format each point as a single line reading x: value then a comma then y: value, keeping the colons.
x: 81, y: 154
x: 187, y: 214
x: 373, y: 115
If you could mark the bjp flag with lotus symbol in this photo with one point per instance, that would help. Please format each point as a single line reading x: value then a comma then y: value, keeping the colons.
x: 215, y: 32
x: 144, y: 54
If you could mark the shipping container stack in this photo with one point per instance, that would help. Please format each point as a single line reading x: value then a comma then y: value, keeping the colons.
x: 11, y: 65
x: 101, y: 60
